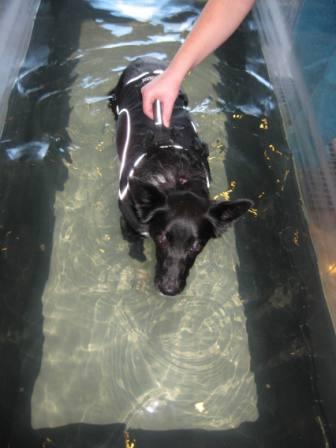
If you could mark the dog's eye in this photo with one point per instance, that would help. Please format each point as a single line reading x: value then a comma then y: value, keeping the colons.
x: 195, y: 247
x: 162, y: 239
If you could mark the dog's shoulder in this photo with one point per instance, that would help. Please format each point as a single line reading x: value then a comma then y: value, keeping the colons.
x: 139, y: 69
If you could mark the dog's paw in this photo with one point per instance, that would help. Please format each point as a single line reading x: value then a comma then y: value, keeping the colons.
x: 136, y: 250
x: 127, y: 232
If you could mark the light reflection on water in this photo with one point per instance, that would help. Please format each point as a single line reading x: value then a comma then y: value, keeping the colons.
x: 127, y: 8
x: 146, y: 11
x: 28, y: 151
x: 114, y: 349
x: 116, y: 30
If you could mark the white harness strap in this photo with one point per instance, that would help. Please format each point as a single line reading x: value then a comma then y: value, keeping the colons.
x: 142, y: 75
x: 136, y: 78
x: 171, y: 146
x: 123, y: 192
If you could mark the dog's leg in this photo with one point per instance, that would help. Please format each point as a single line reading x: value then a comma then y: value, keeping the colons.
x: 136, y: 245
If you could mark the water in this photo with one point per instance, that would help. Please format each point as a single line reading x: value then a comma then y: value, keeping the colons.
x: 140, y: 357
x: 101, y: 345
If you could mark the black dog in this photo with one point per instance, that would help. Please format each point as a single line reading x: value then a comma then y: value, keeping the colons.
x: 164, y: 180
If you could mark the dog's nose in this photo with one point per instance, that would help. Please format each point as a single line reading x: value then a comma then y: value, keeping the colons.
x: 169, y: 289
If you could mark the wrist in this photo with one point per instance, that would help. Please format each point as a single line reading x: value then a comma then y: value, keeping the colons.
x: 176, y: 72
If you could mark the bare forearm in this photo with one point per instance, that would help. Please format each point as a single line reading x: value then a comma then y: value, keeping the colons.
x: 218, y: 20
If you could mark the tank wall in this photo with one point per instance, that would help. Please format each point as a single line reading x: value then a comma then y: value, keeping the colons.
x: 299, y: 45
x: 16, y: 24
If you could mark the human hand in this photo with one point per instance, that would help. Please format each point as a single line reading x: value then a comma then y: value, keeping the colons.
x: 164, y: 88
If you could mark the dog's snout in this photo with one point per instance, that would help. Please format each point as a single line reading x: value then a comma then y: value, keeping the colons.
x: 169, y: 287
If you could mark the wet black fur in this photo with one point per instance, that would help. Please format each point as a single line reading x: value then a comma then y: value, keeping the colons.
x: 168, y: 196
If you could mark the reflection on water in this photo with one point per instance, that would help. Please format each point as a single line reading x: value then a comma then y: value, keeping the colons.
x: 28, y: 151
x: 128, y: 8
x: 116, y: 30
x: 114, y: 349
x: 146, y: 11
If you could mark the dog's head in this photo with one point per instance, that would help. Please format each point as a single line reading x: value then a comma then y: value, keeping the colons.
x: 180, y: 225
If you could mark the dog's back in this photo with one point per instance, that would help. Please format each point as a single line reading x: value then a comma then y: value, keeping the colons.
x: 126, y: 100
x: 174, y: 153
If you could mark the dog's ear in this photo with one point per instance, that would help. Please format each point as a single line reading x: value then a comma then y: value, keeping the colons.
x: 223, y: 213
x: 147, y: 199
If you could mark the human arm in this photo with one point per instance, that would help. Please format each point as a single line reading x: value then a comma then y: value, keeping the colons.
x: 217, y: 21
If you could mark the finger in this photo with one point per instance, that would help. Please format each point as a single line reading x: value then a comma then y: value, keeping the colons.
x: 167, y: 111
x: 147, y: 105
